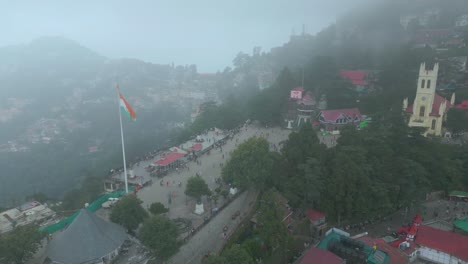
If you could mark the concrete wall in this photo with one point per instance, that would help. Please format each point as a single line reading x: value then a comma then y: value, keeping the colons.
x: 438, y: 256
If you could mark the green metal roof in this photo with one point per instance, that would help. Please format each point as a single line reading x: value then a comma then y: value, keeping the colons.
x: 458, y: 193
x: 462, y: 224
x: 93, y: 207
x: 374, y: 257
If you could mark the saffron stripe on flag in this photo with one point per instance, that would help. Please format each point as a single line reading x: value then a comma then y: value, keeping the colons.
x: 127, y: 108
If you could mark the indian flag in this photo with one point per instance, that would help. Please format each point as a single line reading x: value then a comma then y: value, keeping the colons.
x: 125, y: 106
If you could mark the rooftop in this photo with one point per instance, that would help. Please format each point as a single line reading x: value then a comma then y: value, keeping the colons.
x: 355, y: 77
x: 299, y: 88
x: 314, y: 215
x: 332, y: 115
x: 438, y: 100
x: 448, y: 242
x: 339, y: 242
x: 23, y: 215
x: 307, y: 99
x: 85, y: 239
x: 320, y: 256
x: 195, y: 147
x: 463, y: 105
x: 168, y: 159
x: 462, y: 224
x: 396, y: 256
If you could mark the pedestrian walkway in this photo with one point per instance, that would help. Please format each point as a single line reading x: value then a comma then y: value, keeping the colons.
x: 209, y: 238
x: 208, y: 167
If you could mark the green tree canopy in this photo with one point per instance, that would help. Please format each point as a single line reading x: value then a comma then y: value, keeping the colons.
x: 270, y: 215
x: 20, y: 245
x: 302, y: 145
x: 233, y: 255
x: 197, y: 187
x: 457, y: 120
x: 250, y: 164
x: 159, y: 234
x: 268, y: 106
x: 158, y: 208
x: 128, y: 212
x: 91, y: 188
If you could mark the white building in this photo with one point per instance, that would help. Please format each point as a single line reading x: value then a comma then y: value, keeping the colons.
x: 462, y: 21
x: 429, y: 110
x: 28, y: 213
x: 438, y: 246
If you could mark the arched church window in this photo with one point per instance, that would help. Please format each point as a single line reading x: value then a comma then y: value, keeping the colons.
x: 422, y: 110
x: 433, y: 124
x: 428, y: 84
x: 423, y: 83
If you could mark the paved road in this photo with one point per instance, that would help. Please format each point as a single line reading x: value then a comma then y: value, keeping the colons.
x: 210, y: 238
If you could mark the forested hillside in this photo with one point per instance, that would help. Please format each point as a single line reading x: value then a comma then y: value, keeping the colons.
x: 59, y: 114
x: 373, y: 171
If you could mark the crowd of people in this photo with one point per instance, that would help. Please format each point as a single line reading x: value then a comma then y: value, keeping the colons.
x: 181, y: 164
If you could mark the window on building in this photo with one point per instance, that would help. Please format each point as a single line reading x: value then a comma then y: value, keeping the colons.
x: 422, y: 111
x: 433, y: 124
x: 428, y: 84
x: 423, y: 82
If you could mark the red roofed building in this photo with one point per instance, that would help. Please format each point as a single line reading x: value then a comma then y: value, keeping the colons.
x: 463, y: 105
x: 429, y: 110
x: 320, y: 256
x: 360, y: 79
x: 355, y: 77
x: 442, y: 246
x: 318, y: 221
x: 316, y: 217
x: 332, y: 119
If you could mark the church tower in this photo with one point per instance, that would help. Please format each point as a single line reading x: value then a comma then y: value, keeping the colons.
x: 425, y: 92
x: 429, y: 109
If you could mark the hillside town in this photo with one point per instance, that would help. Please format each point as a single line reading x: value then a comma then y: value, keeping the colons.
x: 323, y: 164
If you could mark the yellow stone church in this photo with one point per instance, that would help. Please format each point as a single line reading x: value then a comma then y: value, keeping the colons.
x: 429, y: 110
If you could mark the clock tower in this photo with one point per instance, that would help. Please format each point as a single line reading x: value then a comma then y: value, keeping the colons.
x: 425, y: 92
x: 429, y: 109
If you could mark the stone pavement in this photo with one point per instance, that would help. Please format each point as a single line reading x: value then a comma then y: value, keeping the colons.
x: 209, y: 237
x: 209, y: 169
x: 139, y: 170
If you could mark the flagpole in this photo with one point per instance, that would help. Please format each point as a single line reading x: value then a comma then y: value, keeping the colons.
x: 123, y: 145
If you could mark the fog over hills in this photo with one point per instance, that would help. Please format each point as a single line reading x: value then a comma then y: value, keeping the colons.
x: 58, y: 97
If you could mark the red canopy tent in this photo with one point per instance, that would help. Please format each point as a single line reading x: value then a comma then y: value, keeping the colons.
x: 164, y: 161
x: 196, y: 147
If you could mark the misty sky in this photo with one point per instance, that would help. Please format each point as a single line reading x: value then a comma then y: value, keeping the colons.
x: 208, y: 33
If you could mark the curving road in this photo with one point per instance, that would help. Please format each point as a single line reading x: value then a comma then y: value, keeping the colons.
x: 210, y: 238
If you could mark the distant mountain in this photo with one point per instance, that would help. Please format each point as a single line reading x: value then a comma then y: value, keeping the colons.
x: 58, y: 97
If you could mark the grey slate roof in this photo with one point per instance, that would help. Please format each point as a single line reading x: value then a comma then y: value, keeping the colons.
x: 88, y: 237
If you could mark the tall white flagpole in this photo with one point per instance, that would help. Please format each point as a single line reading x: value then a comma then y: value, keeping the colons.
x: 123, y: 145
